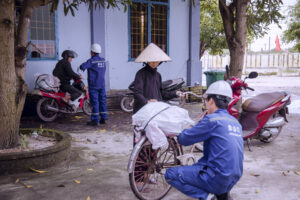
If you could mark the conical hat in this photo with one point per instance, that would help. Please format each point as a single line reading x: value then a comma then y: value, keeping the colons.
x: 152, y: 53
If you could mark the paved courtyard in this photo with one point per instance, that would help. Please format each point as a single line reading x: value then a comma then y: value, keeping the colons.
x: 100, y: 155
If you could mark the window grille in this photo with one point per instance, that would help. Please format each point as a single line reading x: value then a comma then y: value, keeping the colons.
x: 159, y: 26
x: 148, y: 23
x: 138, y: 28
x: 42, y: 33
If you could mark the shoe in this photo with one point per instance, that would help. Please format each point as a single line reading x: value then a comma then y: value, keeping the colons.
x: 102, y: 121
x: 152, y: 180
x: 225, y: 196
x: 65, y: 100
x: 75, y: 103
x: 92, y: 123
x: 143, y: 189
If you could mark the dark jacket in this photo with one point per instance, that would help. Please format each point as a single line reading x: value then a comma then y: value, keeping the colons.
x: 64, y: 72
x: 148, y: 85
x: 96, y: 72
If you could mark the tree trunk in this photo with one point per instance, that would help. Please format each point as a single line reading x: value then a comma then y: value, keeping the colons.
x: 202, y: 48
x: 21, y: 52
x: 234, y: 20
x: 13, y: 53
x: 8, y: 108
x: 13, y: 88
x: 236, y: 61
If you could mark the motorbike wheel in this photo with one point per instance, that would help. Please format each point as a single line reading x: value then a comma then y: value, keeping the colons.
x: 127, y: 104
x: 87, y: 107
x: 43, y: 112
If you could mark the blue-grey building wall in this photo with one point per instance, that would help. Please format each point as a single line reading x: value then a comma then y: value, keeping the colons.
x: 109, y: 27
x: 98, y: 36
x: 122, y: 71
x: 194, y: 66
x: 72, y: 33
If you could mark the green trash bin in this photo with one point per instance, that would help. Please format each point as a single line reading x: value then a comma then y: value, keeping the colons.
x: 213, y: 76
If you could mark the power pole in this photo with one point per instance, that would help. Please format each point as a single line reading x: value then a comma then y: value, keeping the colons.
x: 269, y: 51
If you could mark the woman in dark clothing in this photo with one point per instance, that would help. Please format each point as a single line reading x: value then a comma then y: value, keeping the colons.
x: 148, y: 82
x: 148, y: 88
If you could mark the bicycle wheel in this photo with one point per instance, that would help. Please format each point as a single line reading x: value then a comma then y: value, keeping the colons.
x: 147, y: 181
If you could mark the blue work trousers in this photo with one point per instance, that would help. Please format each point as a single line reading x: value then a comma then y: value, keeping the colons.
x: 98, y: 101
x: 188, y: 180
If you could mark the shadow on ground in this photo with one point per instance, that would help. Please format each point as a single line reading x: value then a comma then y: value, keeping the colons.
x: 117, y: 121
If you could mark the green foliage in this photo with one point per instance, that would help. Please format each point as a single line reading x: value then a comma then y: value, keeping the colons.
x: 23, y: 142
x: 212, y: 36
x: 292, y: 34
x: 40, y: 130
x: 262, y: 13
x: 72, y: 5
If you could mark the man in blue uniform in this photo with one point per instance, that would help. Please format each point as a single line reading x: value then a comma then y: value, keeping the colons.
x: 96, y: 81
x: 221, y: 166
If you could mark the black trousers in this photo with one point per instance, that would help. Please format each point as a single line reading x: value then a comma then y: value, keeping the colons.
x: 74, y: 92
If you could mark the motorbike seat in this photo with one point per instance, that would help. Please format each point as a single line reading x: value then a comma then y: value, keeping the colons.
x: 172, y: 84
x: 131, y: 86
x: 166, y: 84
x: 262, y: 101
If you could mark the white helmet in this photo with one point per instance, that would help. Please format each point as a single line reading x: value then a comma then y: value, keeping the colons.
x: 152, y: 53
x: 96, y: 48
x: 219, y: 88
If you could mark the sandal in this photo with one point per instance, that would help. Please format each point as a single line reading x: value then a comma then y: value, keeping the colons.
x: 143, y: 189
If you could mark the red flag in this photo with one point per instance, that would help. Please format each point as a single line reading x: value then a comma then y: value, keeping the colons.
x: 277, y: 44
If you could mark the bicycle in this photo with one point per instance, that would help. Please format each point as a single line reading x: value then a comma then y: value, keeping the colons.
x: 147, y: 167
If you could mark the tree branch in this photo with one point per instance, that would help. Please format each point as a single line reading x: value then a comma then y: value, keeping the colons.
x: 228, y: 19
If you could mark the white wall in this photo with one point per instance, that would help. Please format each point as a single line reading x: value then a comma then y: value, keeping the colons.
x: 72, y: 33
x: 122, y: 72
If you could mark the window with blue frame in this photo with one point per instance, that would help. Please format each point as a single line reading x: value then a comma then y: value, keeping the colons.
x: 42, y: 34
x: 148, y: 23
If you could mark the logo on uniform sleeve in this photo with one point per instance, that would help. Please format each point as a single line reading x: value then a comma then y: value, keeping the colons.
x: 234, y: 130
x: 100, y: 64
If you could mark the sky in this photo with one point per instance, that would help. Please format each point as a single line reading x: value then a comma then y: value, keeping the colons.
x: 263, y: 43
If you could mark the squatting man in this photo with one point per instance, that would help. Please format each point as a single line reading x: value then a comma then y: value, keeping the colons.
x: 221, y: 166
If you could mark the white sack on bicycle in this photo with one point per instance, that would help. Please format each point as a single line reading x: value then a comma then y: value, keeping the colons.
x: 163, y: 119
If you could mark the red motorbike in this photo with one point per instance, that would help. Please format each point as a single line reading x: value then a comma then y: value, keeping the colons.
x: 51, y: 103
x: 263, y: 116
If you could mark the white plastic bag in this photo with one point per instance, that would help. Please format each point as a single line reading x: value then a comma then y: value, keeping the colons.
x: 160, y: 120
x: 47, y: 82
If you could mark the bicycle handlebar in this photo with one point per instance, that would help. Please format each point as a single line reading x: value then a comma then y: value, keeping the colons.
x: 192, y: 93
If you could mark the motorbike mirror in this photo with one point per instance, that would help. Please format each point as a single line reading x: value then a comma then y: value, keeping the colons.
x: 253, y: 75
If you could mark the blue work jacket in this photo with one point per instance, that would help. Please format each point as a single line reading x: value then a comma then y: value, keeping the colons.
x: 96, y: 72
x: 223, y: 149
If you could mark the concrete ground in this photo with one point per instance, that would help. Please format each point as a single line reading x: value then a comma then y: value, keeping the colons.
x: 99, y: 159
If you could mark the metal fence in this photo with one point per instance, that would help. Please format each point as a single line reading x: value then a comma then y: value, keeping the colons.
x: 264, y: 61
